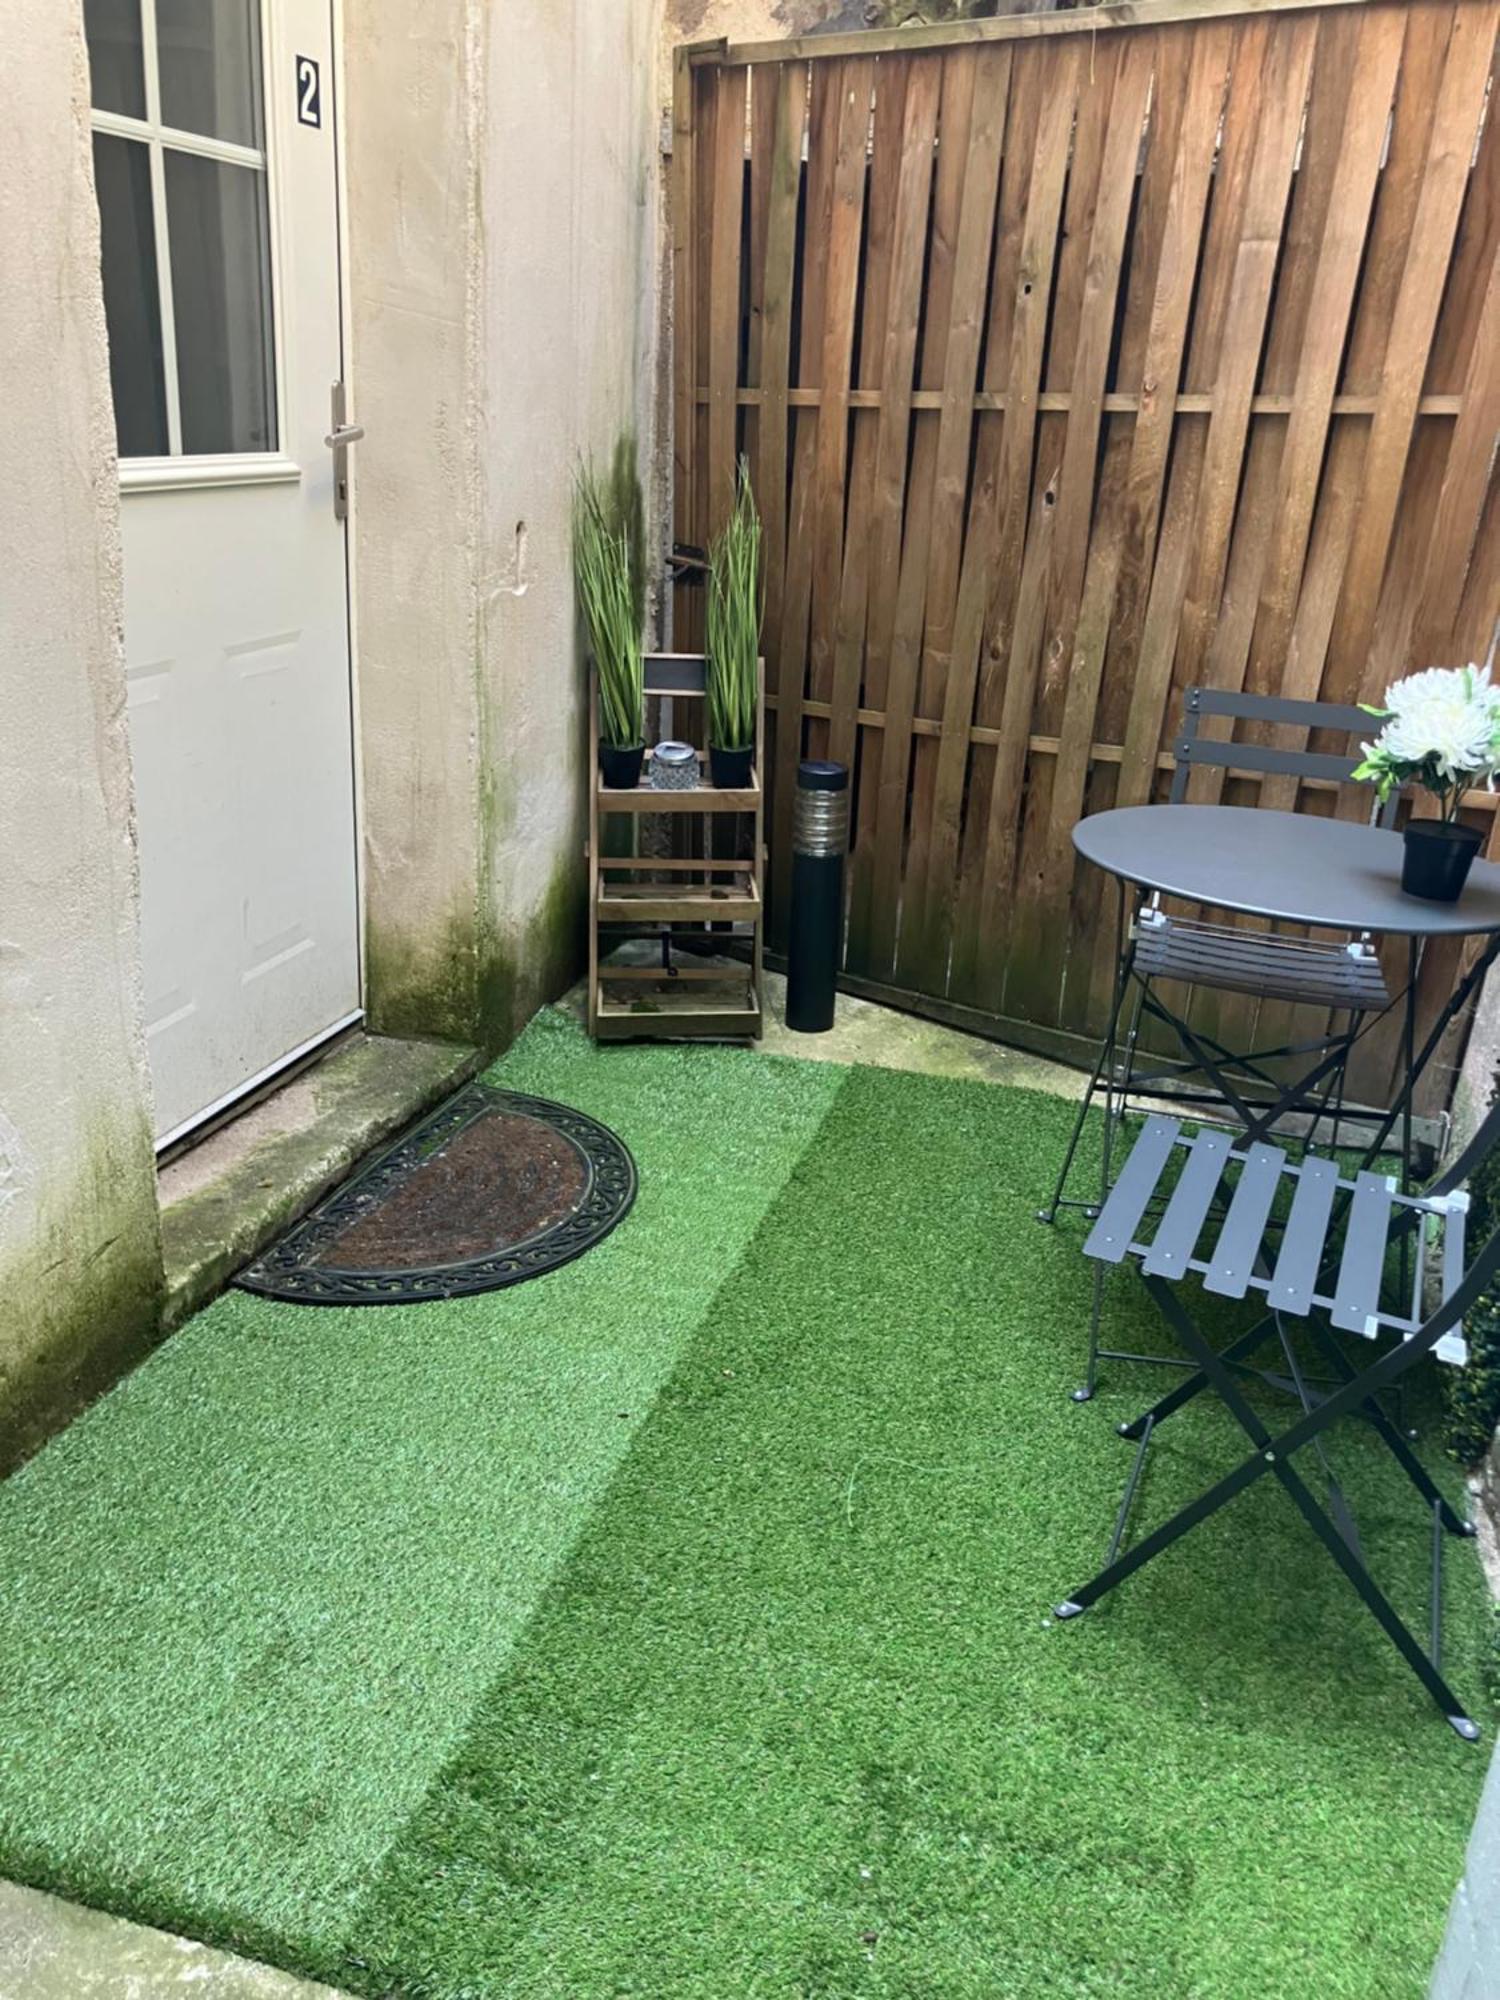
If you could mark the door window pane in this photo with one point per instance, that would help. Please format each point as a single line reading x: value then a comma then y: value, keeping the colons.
x: 118, y: 79
x: 132, y: 310
x: 208, y: 62
x: 221, y: 300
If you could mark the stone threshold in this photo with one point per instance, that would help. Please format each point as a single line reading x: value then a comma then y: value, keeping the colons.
x: 51, y: 1950
x: 226, y: 1198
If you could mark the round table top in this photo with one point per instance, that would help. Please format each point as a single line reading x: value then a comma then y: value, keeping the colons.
x: 1330, y: 873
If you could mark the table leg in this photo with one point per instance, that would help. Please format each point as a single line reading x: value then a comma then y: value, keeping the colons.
x: 1408, y: 1059
x: 1416, y: 1066
x: 1103, y: 1072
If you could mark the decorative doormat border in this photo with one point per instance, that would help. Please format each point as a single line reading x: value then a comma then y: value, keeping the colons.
x: 290, y: 1269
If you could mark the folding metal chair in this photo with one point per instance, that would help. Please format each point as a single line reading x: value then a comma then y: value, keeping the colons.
x: 1327, y: 1264
x: 1342, y: 977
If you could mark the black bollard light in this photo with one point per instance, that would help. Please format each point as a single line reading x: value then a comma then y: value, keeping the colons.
x: 820, y: 835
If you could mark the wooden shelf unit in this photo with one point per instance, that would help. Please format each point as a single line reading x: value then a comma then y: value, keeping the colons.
x: 685, y: 998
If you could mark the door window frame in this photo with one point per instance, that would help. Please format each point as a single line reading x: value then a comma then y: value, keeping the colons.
x: 178, y: 469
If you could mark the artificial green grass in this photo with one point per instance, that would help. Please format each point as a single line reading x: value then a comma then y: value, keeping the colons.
x: 333, y: 1635
x: 794, y: 1721
x: 249, y: 1600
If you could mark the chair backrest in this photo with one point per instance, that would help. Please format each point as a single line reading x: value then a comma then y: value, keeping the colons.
x: 1194, y: 751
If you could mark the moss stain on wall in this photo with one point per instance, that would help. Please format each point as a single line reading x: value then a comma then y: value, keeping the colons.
x: 424, y: 985
x: 83, y: 1293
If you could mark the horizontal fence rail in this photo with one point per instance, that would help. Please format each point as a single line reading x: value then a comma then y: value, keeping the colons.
x: 1079, y: 358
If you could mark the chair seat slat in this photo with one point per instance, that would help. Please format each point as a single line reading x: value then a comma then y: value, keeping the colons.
x: 1179, y: 1228
x: 1296, y: 1274
x: 1260, y: 962
x: 1111, y: 1235
x: 1239, y: 1241
x: 1356, y: 1297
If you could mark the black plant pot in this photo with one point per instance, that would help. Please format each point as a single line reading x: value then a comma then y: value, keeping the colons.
x: 621, y: 769
x: 730, y: 769
x: 1437, y: 859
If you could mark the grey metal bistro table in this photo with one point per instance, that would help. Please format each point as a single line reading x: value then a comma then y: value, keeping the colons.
x: 1297, y: 868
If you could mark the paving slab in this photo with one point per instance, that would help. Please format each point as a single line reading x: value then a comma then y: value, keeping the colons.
x: 52, y: 1950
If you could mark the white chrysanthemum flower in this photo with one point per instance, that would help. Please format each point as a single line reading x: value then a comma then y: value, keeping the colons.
x: 1447, y: 714
x: 1471, y: 683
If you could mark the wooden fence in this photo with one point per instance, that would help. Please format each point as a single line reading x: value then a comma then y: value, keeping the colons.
x: 1077, y: 358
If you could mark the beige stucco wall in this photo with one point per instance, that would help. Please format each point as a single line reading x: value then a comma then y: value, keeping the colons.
x: 80, y: 1265
x: 504, y: 188
x: 412, y: 104
x: 571, y: 180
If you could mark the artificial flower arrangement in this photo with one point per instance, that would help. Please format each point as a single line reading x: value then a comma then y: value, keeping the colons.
x: 1441, y: 731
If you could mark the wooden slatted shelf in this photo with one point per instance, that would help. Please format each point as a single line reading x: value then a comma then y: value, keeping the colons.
x: 659, y: 1019
x: 668, y: 902
x: 688, y: 999
x: 703, y: 798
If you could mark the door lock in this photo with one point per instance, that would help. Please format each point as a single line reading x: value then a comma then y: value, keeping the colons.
x: 338, y: 441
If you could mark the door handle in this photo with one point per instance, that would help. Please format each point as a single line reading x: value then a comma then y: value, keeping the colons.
x: 338, y: 441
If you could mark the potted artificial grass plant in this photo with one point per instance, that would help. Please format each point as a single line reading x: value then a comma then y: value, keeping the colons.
x: 1441, y: 730
x: 607, y: 572
x: 733, y: 659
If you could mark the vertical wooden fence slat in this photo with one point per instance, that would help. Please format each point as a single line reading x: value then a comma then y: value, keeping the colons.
x: 1460, y: 509
x: 1330, y: 302
x: 898, y: 362
x: 846, y: 743
x: 1019, y: 552
x: 1045, y: 936
x: 841, y: 283
x: 1155, y: 564
x: 1152, y: 361
x: 797, y: 587
x: 1022, y: 113
x: 922, y: 957
x: 763, y: 94
x: 1455, y: 127
x: 724, y: 288
x: 694, y: 529
x: 684, y: 310
x: 1283, y: 94
x: 1342, y: 170
x: 788, y: 87
x: 955, y: 110
x: 1073, y: 368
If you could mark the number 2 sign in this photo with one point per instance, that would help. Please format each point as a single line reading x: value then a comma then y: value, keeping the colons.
x: 309, y: 99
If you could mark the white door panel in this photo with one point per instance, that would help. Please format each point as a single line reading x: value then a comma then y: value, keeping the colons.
x: 236, y: 619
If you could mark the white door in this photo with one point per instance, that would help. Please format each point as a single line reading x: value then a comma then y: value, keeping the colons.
x: 215, y: 161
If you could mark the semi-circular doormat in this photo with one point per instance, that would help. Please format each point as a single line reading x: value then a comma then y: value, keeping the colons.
x: 490, y: 1189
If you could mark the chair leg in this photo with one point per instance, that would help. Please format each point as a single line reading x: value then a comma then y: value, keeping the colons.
x: 1124, y: 959
x: 1049, y: 1213
x: 1101, y: 1075
x: 1274, y: 1455
x: 1115, y: 1103
x: 1376, y: 1602
x: 1091, y: 1377
x: 1398, y: 1446
x: 1330, y: 1102
x: 1194, y: 1384
x: 1186, y: 1518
